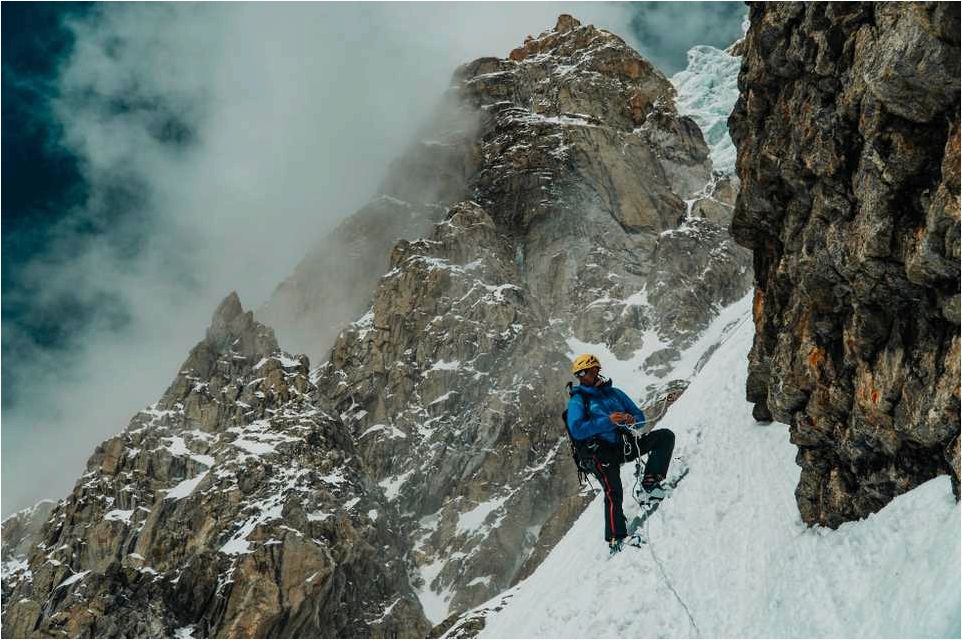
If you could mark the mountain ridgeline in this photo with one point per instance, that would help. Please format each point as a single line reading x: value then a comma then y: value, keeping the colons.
x: 556, y: 198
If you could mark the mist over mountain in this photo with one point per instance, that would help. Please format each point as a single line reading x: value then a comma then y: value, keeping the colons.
x: 151, y: 147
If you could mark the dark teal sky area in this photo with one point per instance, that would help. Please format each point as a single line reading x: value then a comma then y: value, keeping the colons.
x: 40, y: 179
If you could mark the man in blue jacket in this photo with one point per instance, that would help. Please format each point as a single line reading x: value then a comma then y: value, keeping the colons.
x: 598, y: 417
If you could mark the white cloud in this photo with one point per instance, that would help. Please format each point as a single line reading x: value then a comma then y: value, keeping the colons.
x: 218, y: 141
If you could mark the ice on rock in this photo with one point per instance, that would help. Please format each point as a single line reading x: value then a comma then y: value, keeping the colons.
x: 707, y: 91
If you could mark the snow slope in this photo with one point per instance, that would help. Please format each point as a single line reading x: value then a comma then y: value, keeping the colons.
x: 729, y: 555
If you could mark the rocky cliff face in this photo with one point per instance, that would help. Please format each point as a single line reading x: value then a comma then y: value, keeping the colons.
x: 233, y: 507
x: 20, y: 532
x: 594, y: 218
x: 564, y: 205
x: 847, y: 131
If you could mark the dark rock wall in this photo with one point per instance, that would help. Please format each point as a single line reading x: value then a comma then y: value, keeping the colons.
x: 847, y: 130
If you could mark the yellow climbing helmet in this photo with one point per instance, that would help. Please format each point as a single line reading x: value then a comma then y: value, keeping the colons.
x: 584, y: 361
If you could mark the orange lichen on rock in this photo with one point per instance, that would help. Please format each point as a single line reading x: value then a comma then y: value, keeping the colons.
x: 639, y: 105
x: 758, y: 304
x: 816, y: 356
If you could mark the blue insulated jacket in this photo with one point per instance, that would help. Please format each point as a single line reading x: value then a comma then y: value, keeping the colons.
x: 602, y: 401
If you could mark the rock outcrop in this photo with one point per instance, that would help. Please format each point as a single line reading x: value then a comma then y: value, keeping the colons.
x: 847, y: 131
x: 20, y: 533
x: 233, y: 507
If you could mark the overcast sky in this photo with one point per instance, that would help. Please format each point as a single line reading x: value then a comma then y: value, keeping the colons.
x: 203, y: 148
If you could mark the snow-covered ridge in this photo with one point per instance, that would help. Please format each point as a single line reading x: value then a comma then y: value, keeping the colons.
x: 729, y: 555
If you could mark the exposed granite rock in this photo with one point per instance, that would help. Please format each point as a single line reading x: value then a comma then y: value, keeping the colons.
x: 452, y: 382
x: 847, y: 131
x: 564, y: 126
x: 20, y: 532
x: 20, y: 529
x: 233, y: 508
x: 717, y: 204
x: 566, y: 134
x: 445, y: 385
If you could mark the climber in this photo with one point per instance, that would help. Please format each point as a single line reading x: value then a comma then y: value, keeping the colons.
x: 598, y: 417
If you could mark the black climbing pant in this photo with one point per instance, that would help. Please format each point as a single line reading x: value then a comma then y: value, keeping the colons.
x: 606, y: 466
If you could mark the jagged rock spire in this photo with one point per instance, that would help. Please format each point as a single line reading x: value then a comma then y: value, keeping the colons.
x: 232, y: 327
x: 233, y: 507
x: 566, y: 23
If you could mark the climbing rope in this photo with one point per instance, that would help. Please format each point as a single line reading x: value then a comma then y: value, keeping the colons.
x: 668, y: 583
x: 661, y: 409
x: 651, y: 548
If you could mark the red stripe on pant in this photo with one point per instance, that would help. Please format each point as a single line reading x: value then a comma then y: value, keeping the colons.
x: 611, y: 498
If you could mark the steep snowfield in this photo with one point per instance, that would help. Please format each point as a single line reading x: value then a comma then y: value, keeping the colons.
x: 728, y: 554
x: 707, y: 91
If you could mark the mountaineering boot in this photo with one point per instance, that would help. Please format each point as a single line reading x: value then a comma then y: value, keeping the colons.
x: 653, y: 489
x: 635, y: 540
x: 614, y: 546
